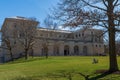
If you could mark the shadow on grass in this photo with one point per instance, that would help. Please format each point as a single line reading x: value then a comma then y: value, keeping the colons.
x: 99, y: 76
x: 22, y: 60
x: 102, y: 76
x: 33, y: 78
x: 39, y: 77
x: 70, y: 74
x: 22, y: 78
x: 61, y: 74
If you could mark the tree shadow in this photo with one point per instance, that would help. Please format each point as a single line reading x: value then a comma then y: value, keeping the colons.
x: 22, y: 78
x: 100, y: 76
x: 22, y: 60
x: 95, y: 76
x: 62, y: 74
x: 103, y: 75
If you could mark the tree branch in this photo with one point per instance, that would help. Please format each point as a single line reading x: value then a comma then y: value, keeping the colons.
x: 94, y: 6
x: 105, y: 3
x: 115, y: 3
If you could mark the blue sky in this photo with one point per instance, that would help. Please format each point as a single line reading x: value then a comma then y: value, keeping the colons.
x: 25, y: 8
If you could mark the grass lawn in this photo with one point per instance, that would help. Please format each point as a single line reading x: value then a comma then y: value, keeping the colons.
x: 55, y: 68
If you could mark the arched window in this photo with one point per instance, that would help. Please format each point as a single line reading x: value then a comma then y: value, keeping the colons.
x: 56, y: 50
x: 76, y: 35
x: 41, y: 34
x: 82, y: 34
x: 15, y: 25
x: 79, y: 35
x: 66, y: 50
x: 59, y: 36
x: 44, y: 50
x: 85, y: 50
x: 76, y: 50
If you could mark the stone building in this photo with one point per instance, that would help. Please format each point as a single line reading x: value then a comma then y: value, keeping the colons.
x: 84, y: 42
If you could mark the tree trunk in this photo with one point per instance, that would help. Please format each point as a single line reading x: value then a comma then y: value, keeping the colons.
x: 46, y: 54
x: 11, y: 55
x: 26, y: 54
x: 113, y: 66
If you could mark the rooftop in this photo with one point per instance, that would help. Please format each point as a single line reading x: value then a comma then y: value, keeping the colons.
x: 54, y: 30
x: 23, y: 18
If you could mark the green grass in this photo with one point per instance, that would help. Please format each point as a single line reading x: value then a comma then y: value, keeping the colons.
x: 55, y: 68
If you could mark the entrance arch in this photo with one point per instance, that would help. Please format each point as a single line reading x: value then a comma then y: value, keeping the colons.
x: 56, y: 50
x: 85, y: 52
x: 76, y: 50
x: 44, y: 50
x: 66, y: 50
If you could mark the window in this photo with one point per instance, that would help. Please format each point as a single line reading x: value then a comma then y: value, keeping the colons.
x: 47, y: 35
x: 82, y: 34
x: 92, y: 33
x: 41, y: 34
x: 14, y: 42
x: 21, y: 35
x: 79, y: 35
x: 96, y: 45
x: 76, y: 35
x: 99, y: 45
x: 95, y: 39
x: 59, y: 36
x: 99, y: 40
x: 15, y: 25
x: 64, y: 36
x: 51, y: 35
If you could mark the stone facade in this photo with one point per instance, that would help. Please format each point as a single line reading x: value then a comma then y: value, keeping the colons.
x: 82, y: 42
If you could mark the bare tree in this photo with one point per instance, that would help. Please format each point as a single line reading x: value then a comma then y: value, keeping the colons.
x: 8, y: 42
x: 49, y: 23
x: 27, y: 33
x: 8, y: 46
x: 82, y: 13
x: 45, y: 46
x: 50, y: 27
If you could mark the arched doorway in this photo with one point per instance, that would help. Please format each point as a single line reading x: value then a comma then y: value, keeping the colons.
x: 85, y: 50
x: 44, y: 50
x: 56, y: 50
x: 31, y: 52
x: 66, y: 50
x: 76, y: 50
